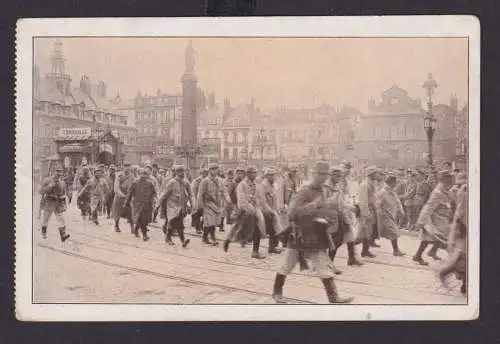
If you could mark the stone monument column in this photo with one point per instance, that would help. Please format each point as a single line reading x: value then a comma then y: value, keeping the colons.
x: 189, y: 119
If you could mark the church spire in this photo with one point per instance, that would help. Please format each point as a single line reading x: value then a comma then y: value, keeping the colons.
x: 58, y: 60
x: 190, y: 58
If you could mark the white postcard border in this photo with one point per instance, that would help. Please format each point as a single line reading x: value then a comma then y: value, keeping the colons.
x: 395, y: 26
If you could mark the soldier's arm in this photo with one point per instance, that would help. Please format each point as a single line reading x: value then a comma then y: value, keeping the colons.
x: 243, y: 202
x: 301, y: 206
x: 428, y: 209
x: 201, y: 192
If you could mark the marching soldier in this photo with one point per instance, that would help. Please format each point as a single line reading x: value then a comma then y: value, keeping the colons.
x: 196, y: 217
x: 435, y: 217
x: 97, y: 188
x: 309, y: 238
x: 211, y: 200
x: 110, y: 195
x: 367, y: 210
x: 269, y: 205
x: 177, y: 195
x: 53, y: 191
x: 141, y: 194
x: 121, y: 187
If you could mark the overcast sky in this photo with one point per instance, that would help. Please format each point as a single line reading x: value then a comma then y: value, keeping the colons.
x: 295, y: 72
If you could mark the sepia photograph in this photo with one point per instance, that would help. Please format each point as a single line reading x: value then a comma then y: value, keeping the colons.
x: 216, y: 169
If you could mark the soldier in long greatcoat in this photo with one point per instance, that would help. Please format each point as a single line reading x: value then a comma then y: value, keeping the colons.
x: 457, y: 240
x: 343, y: 226
x: 177, y: 196
x: 269, y: 205
x: 121, y: 187
x: 435, y: 217
x: 141, y: 198
x: 211, y: 199
x: 97, y: 188
x: 389, y: 209
x: 368, y: 215
x: 310, y: 212
x: 196, y: 216
x: 83, y: 199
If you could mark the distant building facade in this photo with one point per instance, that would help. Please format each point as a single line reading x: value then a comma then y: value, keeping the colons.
x: 71, y: 122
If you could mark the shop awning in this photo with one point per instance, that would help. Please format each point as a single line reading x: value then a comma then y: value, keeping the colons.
x: 73, y: 148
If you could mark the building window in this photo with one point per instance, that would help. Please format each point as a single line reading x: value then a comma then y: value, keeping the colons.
x: 235, y: 153
x: 226, y: 153
x: 230, y: 137
x: 240, y: 137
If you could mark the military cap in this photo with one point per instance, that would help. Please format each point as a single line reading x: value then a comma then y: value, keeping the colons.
x: 240, y: 169
x: 346, y: 164
x: 444, y: 174
x: 371, y: 170
x: 269, y: 171
x: 321, y: 167
x: 112, y: 166
x: 251, y: 169
x: 178, y: 168
x: 335, y: 169
x: 230, y: 172
x: 390, y: 177
x: 126, y: 163
x: 213, y: 166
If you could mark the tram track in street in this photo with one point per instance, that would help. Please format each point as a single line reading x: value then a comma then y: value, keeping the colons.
x: 216, y: 261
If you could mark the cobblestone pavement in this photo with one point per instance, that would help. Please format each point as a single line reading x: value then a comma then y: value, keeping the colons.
x: 97, y: 265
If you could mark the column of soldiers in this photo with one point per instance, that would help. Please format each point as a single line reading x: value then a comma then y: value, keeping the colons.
x: 309, y: 223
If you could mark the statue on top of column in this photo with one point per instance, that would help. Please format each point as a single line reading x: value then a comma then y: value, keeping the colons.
x: 190, y: 60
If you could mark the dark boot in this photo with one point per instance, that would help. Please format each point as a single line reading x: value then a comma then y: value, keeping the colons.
x: 433, y: 252
x: 332, y: 293
x: 395, y: 249
x: 117, y: 226
x: 144, y: 231
x: 303, y: 263
x: 204, y: 238
x: 418, y: 255
x: 366, y: 249
x: 331, y: 255
x: 225, y: 245
x: 273, y: 246
x: 63, y: 234
x: 279, y: 282
x: 212, y: 236
x: 94, y: 218
x: 136, y: 231
x: 352, y: 260
x: 44, y: 232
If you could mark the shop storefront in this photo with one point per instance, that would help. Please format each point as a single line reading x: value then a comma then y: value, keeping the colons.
x: 76, y: 145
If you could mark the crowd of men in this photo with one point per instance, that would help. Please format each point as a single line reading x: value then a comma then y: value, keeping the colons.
x: 307, y: 221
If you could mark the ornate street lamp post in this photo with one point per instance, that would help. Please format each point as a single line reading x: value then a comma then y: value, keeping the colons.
x: 261, y: 142
x: 429, y: 120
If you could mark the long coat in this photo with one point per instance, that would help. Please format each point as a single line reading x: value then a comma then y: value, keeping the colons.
x: 141, y: 196
x: 177, y: 194
x: 249, y: 216
x: 211, y: 200
x: 388, y: 209
x: 344, y: 220
x: 121, y: 188
x: 97, y: 189
x: 267, y: 198
x: 436, y: 216
x: 306, y: 208
x: 195, y: 187
x: 366, y: 202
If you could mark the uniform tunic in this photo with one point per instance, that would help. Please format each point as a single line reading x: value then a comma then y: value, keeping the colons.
x: 345, y: 219
x: 269, y: 204
x: 436, y: 216
x: 121, y: 188
x: 177, y: 194
x: 141, y: 196
x: 97, y: 189
x: 250, y: 216
x: 388, y: 209
x: 367, y: 209
x: 210, y: 199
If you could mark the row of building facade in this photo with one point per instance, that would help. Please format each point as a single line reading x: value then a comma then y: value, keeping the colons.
x: 72, y: 123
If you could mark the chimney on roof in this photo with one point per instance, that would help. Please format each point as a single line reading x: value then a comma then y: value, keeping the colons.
x: 101, y: 89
